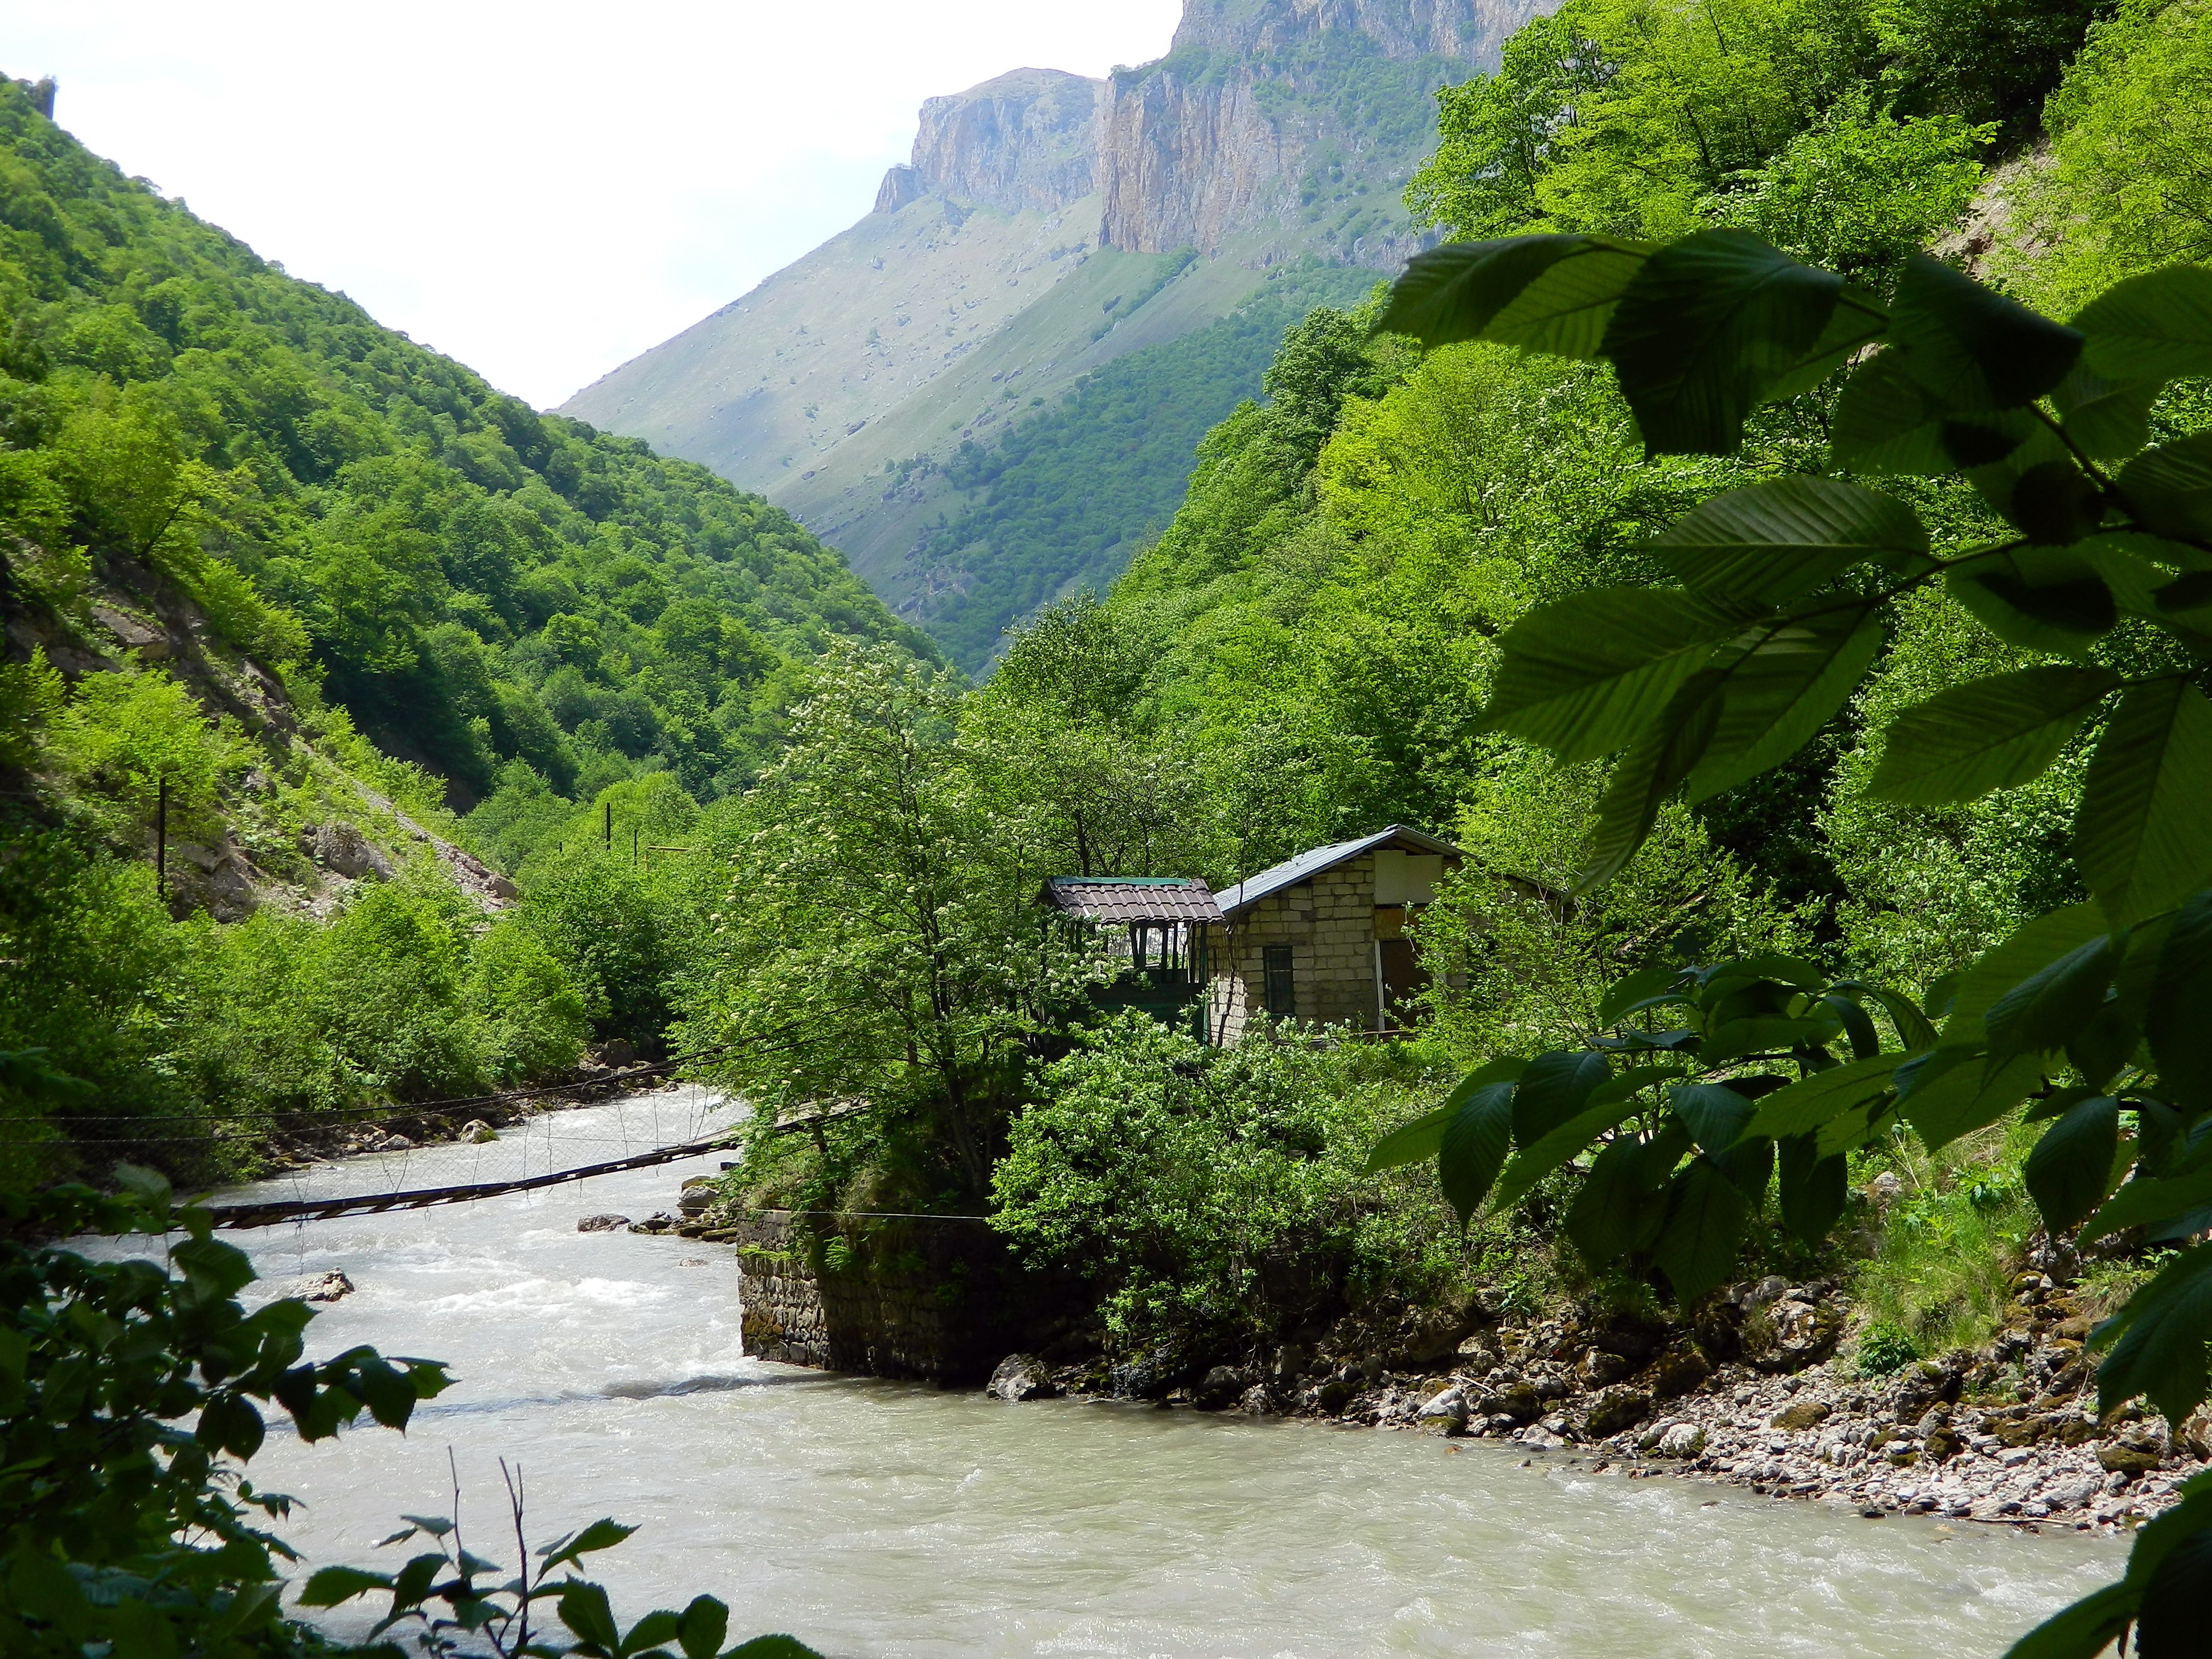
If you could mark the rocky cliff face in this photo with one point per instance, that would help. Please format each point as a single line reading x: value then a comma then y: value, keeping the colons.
x: 1238, y: 129
x: 1027, y: 140
x: 1472, y: 30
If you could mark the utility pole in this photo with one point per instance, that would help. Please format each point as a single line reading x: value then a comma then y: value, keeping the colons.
x: 607, y: 825
x: 162, y: 833
x: 632, y: 846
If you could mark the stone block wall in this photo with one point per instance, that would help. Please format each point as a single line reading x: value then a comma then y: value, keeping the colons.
x: 1328, y: 922
x: 929, y: 1299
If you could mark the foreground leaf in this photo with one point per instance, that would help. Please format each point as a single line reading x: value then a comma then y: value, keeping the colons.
x: 1704, y: 1224
x: 2142, y: 839
x: 1771, y: 543
x: 1706, y: 328
x: 1423, y: 1138
x: 2176, y: 1019
x: 1544, y: 293
x: 1585, y: 674
x: 1474, y: 1146
x: 2171, y: 487
x: 1780, y: 693
x: 1995, y: 733
x: 2158, y: 1339
x: 1971, y: 348
x: 2071, y: 1166
x: 2153, y: 328
x: 1667, y: 753
x: 1806, y: 1104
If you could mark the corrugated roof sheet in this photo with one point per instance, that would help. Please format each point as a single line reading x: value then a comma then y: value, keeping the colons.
x: 1132, y: 898
x: 1253, y: 889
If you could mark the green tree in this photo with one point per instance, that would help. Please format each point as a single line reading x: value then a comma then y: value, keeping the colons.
x: 1786, y: 592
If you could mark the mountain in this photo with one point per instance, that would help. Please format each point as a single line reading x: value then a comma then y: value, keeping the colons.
x: 472, y: 582
x: 1048, y: 225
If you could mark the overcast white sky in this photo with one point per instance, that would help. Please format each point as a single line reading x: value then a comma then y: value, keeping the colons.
x: 544, y: 189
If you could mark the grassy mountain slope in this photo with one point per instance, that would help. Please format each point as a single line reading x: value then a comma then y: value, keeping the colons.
x: 475, y: 582
x: 926, y: 326
x: 1065, y: 496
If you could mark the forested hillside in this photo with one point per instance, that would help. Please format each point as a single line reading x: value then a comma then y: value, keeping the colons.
x: 475, y: 582
x: 301, y: 591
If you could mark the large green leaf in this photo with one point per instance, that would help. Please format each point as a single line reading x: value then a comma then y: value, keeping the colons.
x: 2142, y: 836
x: 2171, y: 487
x: 1697, y: 1248
x: 1995, y: 734
x: 2040, y: 1015
x: 1623, y: 1201
x: 2071, y: 1166
x: 1706, y: 330
x: 1474, y: 1146
x: 1583, y: 674
x: 2177, y: 1602
x: 2178, y: 1012
x: 2083, y: 1631
x: 1715, y: 1114
x: 1544, y: 293
x: 1780, y: 693
x: 1423, y: 1138
x: 1609, y: 1105
x: 1555, y: 1087
x: 2106, y: 420
x: 1971, y: 347
x: 2040, y: 599
x: 2155, y: 327
x: 1806, y: 1104
x: 1771, y: 543
x: 2143, y: 1202
x: 1968, y: 1097
x: 2039, y: 943
x: 1886, y: 422
x: 2158, y: 1339
x: 1651, y: 771
x: 1812, y: 1190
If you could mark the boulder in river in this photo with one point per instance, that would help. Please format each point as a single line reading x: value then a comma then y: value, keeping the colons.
x: 1022, y: 1377
x: 602, y: 1224
x: 1220, y: 1389
x: 315, y: 1287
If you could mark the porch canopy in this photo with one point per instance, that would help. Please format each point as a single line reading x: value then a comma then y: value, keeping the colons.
x: 1124, y: 899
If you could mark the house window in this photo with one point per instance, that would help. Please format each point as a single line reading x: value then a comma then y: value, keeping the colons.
x: 1281, y: 987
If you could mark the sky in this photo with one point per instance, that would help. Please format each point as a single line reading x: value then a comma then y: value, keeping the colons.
x: 541, y: 190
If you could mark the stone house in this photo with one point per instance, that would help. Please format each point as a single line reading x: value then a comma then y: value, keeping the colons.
x: 1322, y: 937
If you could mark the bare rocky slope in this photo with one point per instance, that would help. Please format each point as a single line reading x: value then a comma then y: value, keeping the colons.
x: 1046, y: 225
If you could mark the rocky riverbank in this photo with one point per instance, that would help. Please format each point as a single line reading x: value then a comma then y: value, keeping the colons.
x: 1751, y: 1392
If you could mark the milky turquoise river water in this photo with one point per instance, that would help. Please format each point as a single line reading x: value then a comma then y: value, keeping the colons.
x: 880, y: 1519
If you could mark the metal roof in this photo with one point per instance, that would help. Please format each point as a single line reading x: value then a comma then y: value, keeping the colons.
x: 1305, y: 866
x: 1132, y: 898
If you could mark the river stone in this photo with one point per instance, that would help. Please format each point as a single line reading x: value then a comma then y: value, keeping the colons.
x: 2122, y: 1459
x: 1614, y: 1410
x: 478, y: 1133
x: 1600, y: 1369
x: 1220, y: 1388
x: 1444, y: 1413
x: 1787, y: 1334
x: 1021, y: 1377
x: 617, y: 1051
x: 602, y: 1224
x: 1516, y: 1401
x: 1799, y: 1415
x: 1678, y: 1371
x: 1681, y: 1440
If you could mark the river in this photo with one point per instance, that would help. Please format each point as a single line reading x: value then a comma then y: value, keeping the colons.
x: 873, y: 1518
